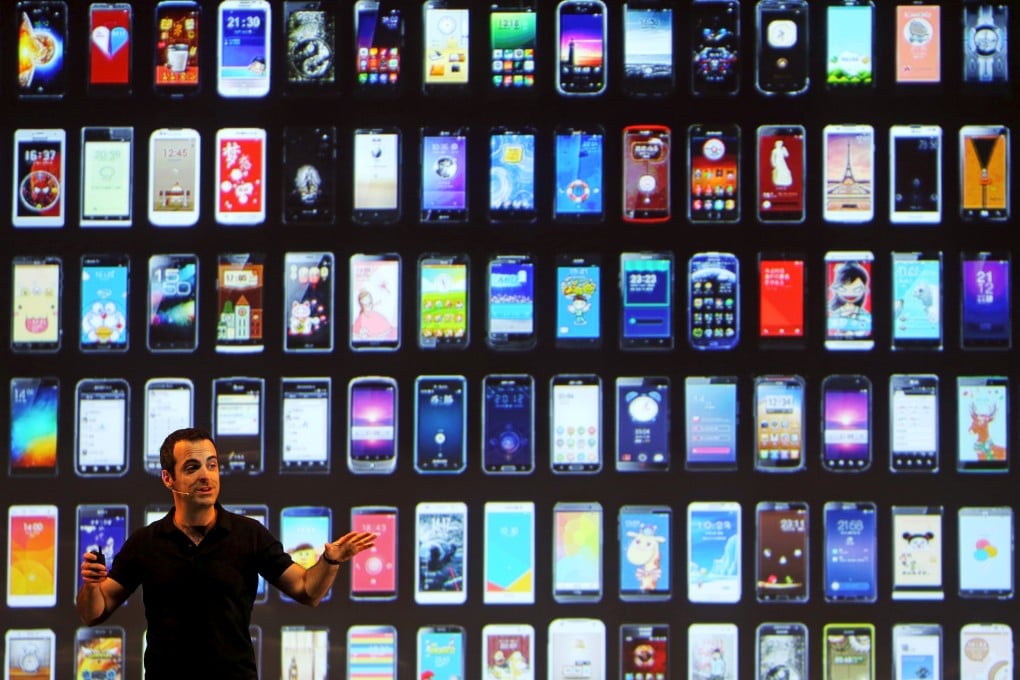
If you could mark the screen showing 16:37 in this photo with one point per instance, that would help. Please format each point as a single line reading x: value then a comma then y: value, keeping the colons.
x: 578, y: 174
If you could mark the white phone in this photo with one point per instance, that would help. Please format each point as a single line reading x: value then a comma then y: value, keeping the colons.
x: 29, y: 653
x: 849, y: 162
x: 243, y: 48
x: 38, y: 180
x: 440, y: 553
x: 175, y: 173
x: 240, y: 176
x: 578, y: 648
x: 508, y: 651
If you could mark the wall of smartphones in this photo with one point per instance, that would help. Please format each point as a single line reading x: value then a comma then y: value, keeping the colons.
x: 536, y: 447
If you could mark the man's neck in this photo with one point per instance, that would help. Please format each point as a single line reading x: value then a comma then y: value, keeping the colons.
x: 195, y: 522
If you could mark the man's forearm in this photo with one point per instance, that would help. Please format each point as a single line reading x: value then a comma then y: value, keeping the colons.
x: 318, y: 580
x: 91, y: 604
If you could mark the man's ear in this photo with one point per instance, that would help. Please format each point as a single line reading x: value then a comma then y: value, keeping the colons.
x: 168, y: 481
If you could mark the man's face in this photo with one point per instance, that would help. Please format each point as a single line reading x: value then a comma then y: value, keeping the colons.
x: 196, y: 471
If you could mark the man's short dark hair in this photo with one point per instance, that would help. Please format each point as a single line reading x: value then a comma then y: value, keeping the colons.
x: 187, y: 434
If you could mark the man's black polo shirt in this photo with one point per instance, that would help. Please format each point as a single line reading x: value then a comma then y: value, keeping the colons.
x: 198, y: 598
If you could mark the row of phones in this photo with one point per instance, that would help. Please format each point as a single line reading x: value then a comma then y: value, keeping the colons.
x: 646, y: 551
x: 643, y: 436
x: 714, y: 193
x: 578, y: 646
x: 310, y: 50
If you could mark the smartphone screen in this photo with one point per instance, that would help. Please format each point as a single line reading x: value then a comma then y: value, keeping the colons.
x: 174, y: 173
x: 918, y: 44
x: 101, y: 435
x: 173, y: 303
x: 713, y: 540
x: 102, y: 528
x: 445, y: 57
x: 781, y: 318
x: 581, y: 47
x: 712, y: 650
x: 509, y: 559
x: 982, y: 423
x: 715, y: 47
x: 31, y: 555
x: 846, y: 423
x: 372, y: 425
x: 443, y: 301
x: 239, y: 291
x: 308, y: 301
x: 308, y: 643
x: 33, y: 437
x: 576, y: 424
x: 578, y: 645
x: 781, y: 648
x: 444, y: 195
x: 917, y: 651
x: 310, y: 43
x: 35, y: 304
x: 646, y: 544
x: 177, y: 48
x: 713, y: 157
x: 646, y: 195
x: 782, y: 66
x: 711, y: 422
x: 851, y: 564
x: 508, y: 424
x: 579, y: 193
x: 984, y: 172
x: 917, y: 291
x: 985, y: 43
x: 379, y: 40
x: 577, y: 552
x: 512, y: 175
x: 303, y: 532
x: 849, y: 160
x: 440, y: 416
x: 986, y: 322
x: 779, y: 421
x: 243, y: 52
x: 579, y: 301
x: 513, y: 41
x: 374, y: 302
x: 99, y: 651
x: 915, y: 162
x: 713, y: 301
x: 309, y: 175
x: 781, y: 171
x: 644, y: 651
x: 506, y: 647
x: 986, y: 649
x: 510, y: 322
x: 104, y: 303
x: 30, y: 653
x: 647, y: 48
x: 376, y: 176
x: 985, y: 552
x: 240, y: 176
x: 913, y: 423
x: 850, y: 51
x: 305, y: 441
x: 238, y: 415
x: 42, y: 43
x: 782, y: 549
x: 646, y: 315
x: 642, y: 424
x: 918, y: 543
x: 371, y: 652
x: 441, y: 651
x: 169, y: 406
x: 849, y: 324
x: 106, y: 176
x: 440, y: 553
x: 849, y: 651
x: 39, y: 185
x: 374, y: 572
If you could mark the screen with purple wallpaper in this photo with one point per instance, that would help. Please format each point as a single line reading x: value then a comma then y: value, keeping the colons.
x: 372, y: 422
x: 986, y: 302
x: 846, y: 415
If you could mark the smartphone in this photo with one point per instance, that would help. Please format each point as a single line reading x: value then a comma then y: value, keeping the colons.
x: 781, y: 648
x: 644, y: 650
x: 173, y: 303
x: 240, y: 284
x: 441, y: 651
x: 176, y: 71
x: 713, y: 301
x: 110, y: 48
x: 175, y: 171
x: 508, y: 648
x: 99, y: 651
x: 512, y: 175
x: 985, y: 321
x: 846, y: 423
x: 444, y: 179
x: 374, y: 302
x: 35, y: 303
x: 918, y: 44
x: 781, y: 175
x: 779, y: 421
x: 913, y: 423
x: 782, y: 323
x: 304, y: 530
x: 984, y: 172
x: 579, y: 301
x: 372, y: 425
x: 443, y: 301
x: 509, y: 558
x: 849, y: 45
x: 309, y: 30
x: 102, y: 528
x: 782, y: 65
x: 985, y: 552
x: 513, y: 45
x: 508, y: 424
x: 376, y: 175
x: 575, y: 424
x: 379, y: 46
x: 713, y: 552
x: 240, y: 175
x: 642, y: 424
x: 38, y: 186
x: 102, y: 433
x: 646, y: 299
x: 306, y: 442
x: 309, y: 643
x: 982, y: 423
x: 31, y: 556
x: 238, y: 419
x: 371, y: 651
x: 851, y: 552
x: 309, y: 175
x: 107, y: 170
x: 648, y: 48
x: 710, y: 419
x: 849, y: 324
x: 446, y: 25
x: 577, y: 647
x: 156, y: 511
x: 440, y: 419
x: 917, y: 292
x: 104, y: 303
x: 243, y: 49
x: 715, y: 47
x: 985, y: 43
x: 579, y: 194
x: 440, y: 532
x: 915, y: 174
x: 30, y: 653
x: 849, y: 651
x: 577, y: 552
x: 169, y: 406
x: 646, y: 152
x: 712, y: 651
x: 308, y: 301
x: 510, y: 318
x: 581, y: 47
x: 374, y: 572
x: 42, y: 48
x: 33, y: 421
x: 986, y: 649
x: 646, y: 547
x: 713, y: 162
x: 782, y: 552
x: 849, y: 161
x: 917, y: 651
x: 918, y: 539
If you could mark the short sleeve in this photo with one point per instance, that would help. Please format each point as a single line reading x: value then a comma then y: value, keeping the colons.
x: 273, y: 560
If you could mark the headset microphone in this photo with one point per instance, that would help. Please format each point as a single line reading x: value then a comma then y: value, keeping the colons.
x: 182, y: 493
